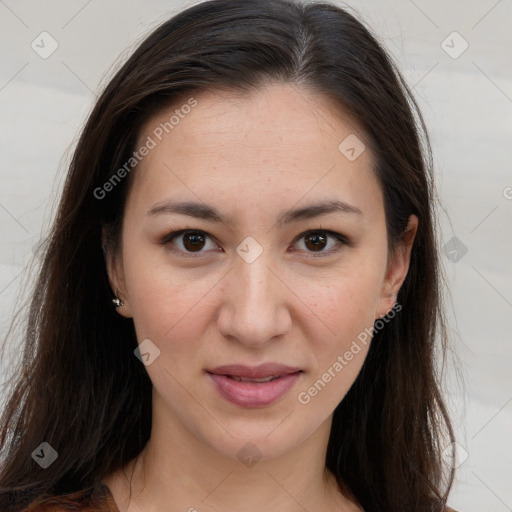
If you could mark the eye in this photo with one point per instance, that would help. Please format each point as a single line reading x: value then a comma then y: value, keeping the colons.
x: 316, y: 240
x: 190, y: 242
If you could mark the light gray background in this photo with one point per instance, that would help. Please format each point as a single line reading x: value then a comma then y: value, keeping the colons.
x: 467, y: 103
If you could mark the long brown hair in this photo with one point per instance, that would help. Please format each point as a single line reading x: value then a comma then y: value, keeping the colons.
x: 79, y: 387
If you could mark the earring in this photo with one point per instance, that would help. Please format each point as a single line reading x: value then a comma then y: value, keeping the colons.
x: 117, y: 302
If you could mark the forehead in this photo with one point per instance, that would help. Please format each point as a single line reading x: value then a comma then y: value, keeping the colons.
x: 281, y: 140
x: 275, y: 118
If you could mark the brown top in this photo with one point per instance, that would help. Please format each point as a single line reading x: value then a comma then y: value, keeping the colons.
x: 99, y: 500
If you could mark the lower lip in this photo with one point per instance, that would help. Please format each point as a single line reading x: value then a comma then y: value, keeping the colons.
x: 253, y: 394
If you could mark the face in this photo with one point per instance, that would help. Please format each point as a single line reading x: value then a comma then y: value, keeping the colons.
x: 263, y: 273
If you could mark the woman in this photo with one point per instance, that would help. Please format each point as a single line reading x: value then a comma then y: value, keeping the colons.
x: 239, y: 303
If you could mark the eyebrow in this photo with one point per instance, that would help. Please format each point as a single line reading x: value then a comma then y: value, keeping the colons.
x: 207, y: 212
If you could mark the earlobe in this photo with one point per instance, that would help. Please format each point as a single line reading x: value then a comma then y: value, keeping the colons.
x: 390, y: 304
x: 115, y: 278
x: 121, y: 307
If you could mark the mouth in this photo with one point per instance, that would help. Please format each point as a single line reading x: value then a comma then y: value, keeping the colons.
x: 249, y: 379
x: 251, y: 387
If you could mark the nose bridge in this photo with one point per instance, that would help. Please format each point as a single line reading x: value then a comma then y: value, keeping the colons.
x: 254, y: 311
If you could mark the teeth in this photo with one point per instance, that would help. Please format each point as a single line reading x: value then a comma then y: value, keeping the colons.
x: 250, y: 379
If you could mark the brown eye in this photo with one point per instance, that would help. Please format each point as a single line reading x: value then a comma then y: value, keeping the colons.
x: 315, y: 241
x: 193, y: 241
x: 188, y: 242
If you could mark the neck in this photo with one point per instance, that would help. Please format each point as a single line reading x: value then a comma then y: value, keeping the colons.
x: 178, y: 470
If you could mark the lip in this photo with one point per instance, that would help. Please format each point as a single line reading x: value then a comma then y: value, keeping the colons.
x: 253, y: 394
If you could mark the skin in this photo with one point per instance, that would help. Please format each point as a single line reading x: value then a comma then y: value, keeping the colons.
x: 251, y: 157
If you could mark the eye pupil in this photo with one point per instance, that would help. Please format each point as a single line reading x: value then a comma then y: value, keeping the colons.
x: 194, y: 239
x: 318, y: 243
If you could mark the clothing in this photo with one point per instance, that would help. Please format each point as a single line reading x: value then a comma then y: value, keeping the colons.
x: 99, y: 500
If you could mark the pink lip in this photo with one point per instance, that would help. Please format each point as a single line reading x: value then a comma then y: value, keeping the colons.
x: 253, y: 394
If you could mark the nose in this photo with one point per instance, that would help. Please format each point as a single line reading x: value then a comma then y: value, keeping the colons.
x: 254, y: 309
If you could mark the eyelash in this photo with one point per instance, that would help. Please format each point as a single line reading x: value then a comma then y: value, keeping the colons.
x: 343, y: 240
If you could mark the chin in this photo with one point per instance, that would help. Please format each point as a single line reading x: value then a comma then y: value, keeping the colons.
x: 248, y: 442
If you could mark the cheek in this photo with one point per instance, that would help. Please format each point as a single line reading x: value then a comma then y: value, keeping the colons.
x: 165, y: 302
x: 348, y: 310
x: 349, y: 303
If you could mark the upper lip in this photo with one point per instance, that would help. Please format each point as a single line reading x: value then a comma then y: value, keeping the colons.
x: 256, y: 372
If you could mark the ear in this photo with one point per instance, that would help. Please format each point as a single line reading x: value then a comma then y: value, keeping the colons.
x: 397, y: 269
x: 115, y: 274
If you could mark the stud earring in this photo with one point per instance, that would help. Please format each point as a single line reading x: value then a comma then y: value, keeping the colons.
x: 117, y: 302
